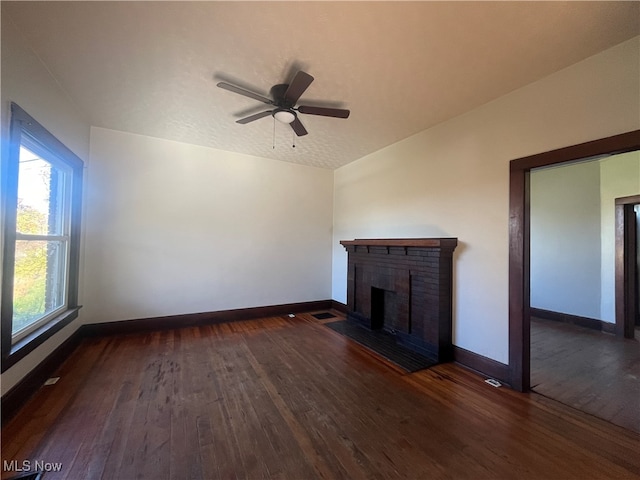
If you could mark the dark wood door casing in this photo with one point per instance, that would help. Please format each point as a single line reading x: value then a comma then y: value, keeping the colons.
x: 519, y: 258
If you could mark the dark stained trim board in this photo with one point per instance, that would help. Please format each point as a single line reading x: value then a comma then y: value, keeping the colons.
x: 196, y: 319
x: 482, y: 365
x: 339, y: 306
x: 586, y: 322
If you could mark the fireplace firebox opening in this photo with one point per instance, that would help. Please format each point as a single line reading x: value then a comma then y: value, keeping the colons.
x: 377, y: 308
x: 383, y: 310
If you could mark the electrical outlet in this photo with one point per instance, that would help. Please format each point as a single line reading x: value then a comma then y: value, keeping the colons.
x: 52, y: 381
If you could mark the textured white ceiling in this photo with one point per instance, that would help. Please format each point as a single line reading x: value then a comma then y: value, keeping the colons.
x: 151, y: 68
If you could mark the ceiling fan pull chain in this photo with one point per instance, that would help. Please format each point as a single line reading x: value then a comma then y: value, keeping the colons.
x: 274, y: 133
x: 293, y: 139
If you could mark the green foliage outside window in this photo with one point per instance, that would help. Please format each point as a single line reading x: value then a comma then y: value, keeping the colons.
x: 30, y: 275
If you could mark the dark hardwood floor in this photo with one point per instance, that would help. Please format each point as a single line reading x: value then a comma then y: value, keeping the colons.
x: 595, y: 372
x: 289, y: 398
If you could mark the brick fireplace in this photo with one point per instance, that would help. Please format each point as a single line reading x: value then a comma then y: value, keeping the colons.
x: 404, y: 286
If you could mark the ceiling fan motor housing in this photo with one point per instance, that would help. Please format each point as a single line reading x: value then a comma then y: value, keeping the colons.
x: 277, y: 93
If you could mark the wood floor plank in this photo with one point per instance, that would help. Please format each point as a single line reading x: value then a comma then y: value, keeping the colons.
x: 332, y: 415
x: 110, y: 445
x: 589, y: 370
x: 48, y: 406
x: 308, y: 451
x: 288, y: 398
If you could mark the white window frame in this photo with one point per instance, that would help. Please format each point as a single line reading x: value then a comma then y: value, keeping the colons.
x: 64, y: 237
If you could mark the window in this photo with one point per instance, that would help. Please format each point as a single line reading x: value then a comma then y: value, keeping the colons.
x: 41, y: 237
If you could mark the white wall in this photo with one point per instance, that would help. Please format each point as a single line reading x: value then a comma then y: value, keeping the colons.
x: 565, y: 239
x: 573, y: 234
x: 620, y: 177
x: 175, y: 228
x: 453, y: 180
x: 27, y: 82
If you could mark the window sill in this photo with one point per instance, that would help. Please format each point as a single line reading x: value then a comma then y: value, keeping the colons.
x: 28, y: 344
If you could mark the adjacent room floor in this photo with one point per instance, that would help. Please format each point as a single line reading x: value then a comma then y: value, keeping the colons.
x: 290, y: 398
x: 595, y: 372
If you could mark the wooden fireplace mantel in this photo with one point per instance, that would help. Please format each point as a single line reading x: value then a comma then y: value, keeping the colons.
x: 404, y: 285
x: 403, y: 242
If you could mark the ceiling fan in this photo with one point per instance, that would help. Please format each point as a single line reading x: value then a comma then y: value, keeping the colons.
x: 285, y: 97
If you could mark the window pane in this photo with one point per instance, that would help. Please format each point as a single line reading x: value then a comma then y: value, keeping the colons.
x: 41, y: 198
x: 39, y: 280
x: 39, y: 287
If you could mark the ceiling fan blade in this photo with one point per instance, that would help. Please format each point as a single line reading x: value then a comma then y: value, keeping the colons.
x: 298, y: 127
x: 246, y: 93
x: 297, y: 87
x: 257, y: 116
x: 325, y: 112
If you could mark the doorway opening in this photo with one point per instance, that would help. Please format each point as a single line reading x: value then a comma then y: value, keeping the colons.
x: 627, y: 262
x: 519, y: 248
x: 636, y: 210
x: 575, y: 356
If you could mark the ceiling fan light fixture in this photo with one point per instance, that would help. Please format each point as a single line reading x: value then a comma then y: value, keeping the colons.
x: 284, y: 116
